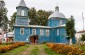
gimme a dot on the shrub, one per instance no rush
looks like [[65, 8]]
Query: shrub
[[11, 46], [65, 49]]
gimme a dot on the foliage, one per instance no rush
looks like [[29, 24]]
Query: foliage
[[12, 46], [50, 51], [15, 51], [12, 22], [70, 30], [3, 17], [65, 49], [83, 37], [39, 17], [6, 43], [32, 15]]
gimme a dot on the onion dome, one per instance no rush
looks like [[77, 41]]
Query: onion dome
[[56, 14]]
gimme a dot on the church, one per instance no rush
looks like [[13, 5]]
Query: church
[[53, 32]]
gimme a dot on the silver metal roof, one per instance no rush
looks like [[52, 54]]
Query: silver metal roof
[[57, 14], [22, 3], [34, 26]]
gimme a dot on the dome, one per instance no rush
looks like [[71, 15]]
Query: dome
[[57, 14]]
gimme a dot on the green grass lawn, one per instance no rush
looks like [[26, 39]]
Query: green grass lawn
[[49, 51], [15, 51]]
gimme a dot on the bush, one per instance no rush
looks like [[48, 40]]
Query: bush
[[11, 46], [65, 49], [7, 43]]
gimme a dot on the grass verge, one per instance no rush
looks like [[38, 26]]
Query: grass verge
[[15, 51], [34, 51]]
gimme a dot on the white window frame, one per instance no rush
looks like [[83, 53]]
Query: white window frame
[[58, 32], [61, 22], [41, 32], [47, 33], [22, 29], [22, 13], [33, 31]]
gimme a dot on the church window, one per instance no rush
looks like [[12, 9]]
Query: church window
[[22, 31], [60, 22], [47, 32], [22, 12], [18, 12], [57, 32], [41, 32], [34, 31]]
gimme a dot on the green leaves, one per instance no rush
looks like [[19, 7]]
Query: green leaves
[[39, 17], [83, 37], [70, 30], [3, 17]]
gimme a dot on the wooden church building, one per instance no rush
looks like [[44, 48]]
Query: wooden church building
[[54, 32]]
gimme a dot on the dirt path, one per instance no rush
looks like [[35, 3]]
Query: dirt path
[[31, 47], [28, 50], [41, 50]]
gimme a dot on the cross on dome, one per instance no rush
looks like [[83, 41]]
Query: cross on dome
[[57, 8]]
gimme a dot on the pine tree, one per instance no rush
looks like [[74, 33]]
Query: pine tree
[[70, 29]]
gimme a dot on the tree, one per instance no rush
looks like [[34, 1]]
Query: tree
[[42, 17], [32, 16], [83, 37], [70, 30], [3, 16], [39, 17], [12, 22]]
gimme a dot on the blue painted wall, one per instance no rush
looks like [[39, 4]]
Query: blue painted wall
[[63, 38], [41, 38], [18, 37], [55, 22]]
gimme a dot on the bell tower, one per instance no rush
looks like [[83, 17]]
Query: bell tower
[[22, 14]]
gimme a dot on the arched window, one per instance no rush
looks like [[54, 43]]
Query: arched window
[[57, 32], [22, 12], [34, 32], [41, 32], [22, 31], [47, 32], [60, 22]]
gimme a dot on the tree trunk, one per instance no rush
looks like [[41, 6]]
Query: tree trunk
[[70, 41]]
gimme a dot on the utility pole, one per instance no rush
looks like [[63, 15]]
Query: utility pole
[[83, 20]]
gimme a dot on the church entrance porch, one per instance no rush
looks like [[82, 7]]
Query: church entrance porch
[[34, 39]]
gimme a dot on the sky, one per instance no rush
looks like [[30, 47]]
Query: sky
[[67, 7]]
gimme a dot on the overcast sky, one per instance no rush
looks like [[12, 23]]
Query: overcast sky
[[67, 7]]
